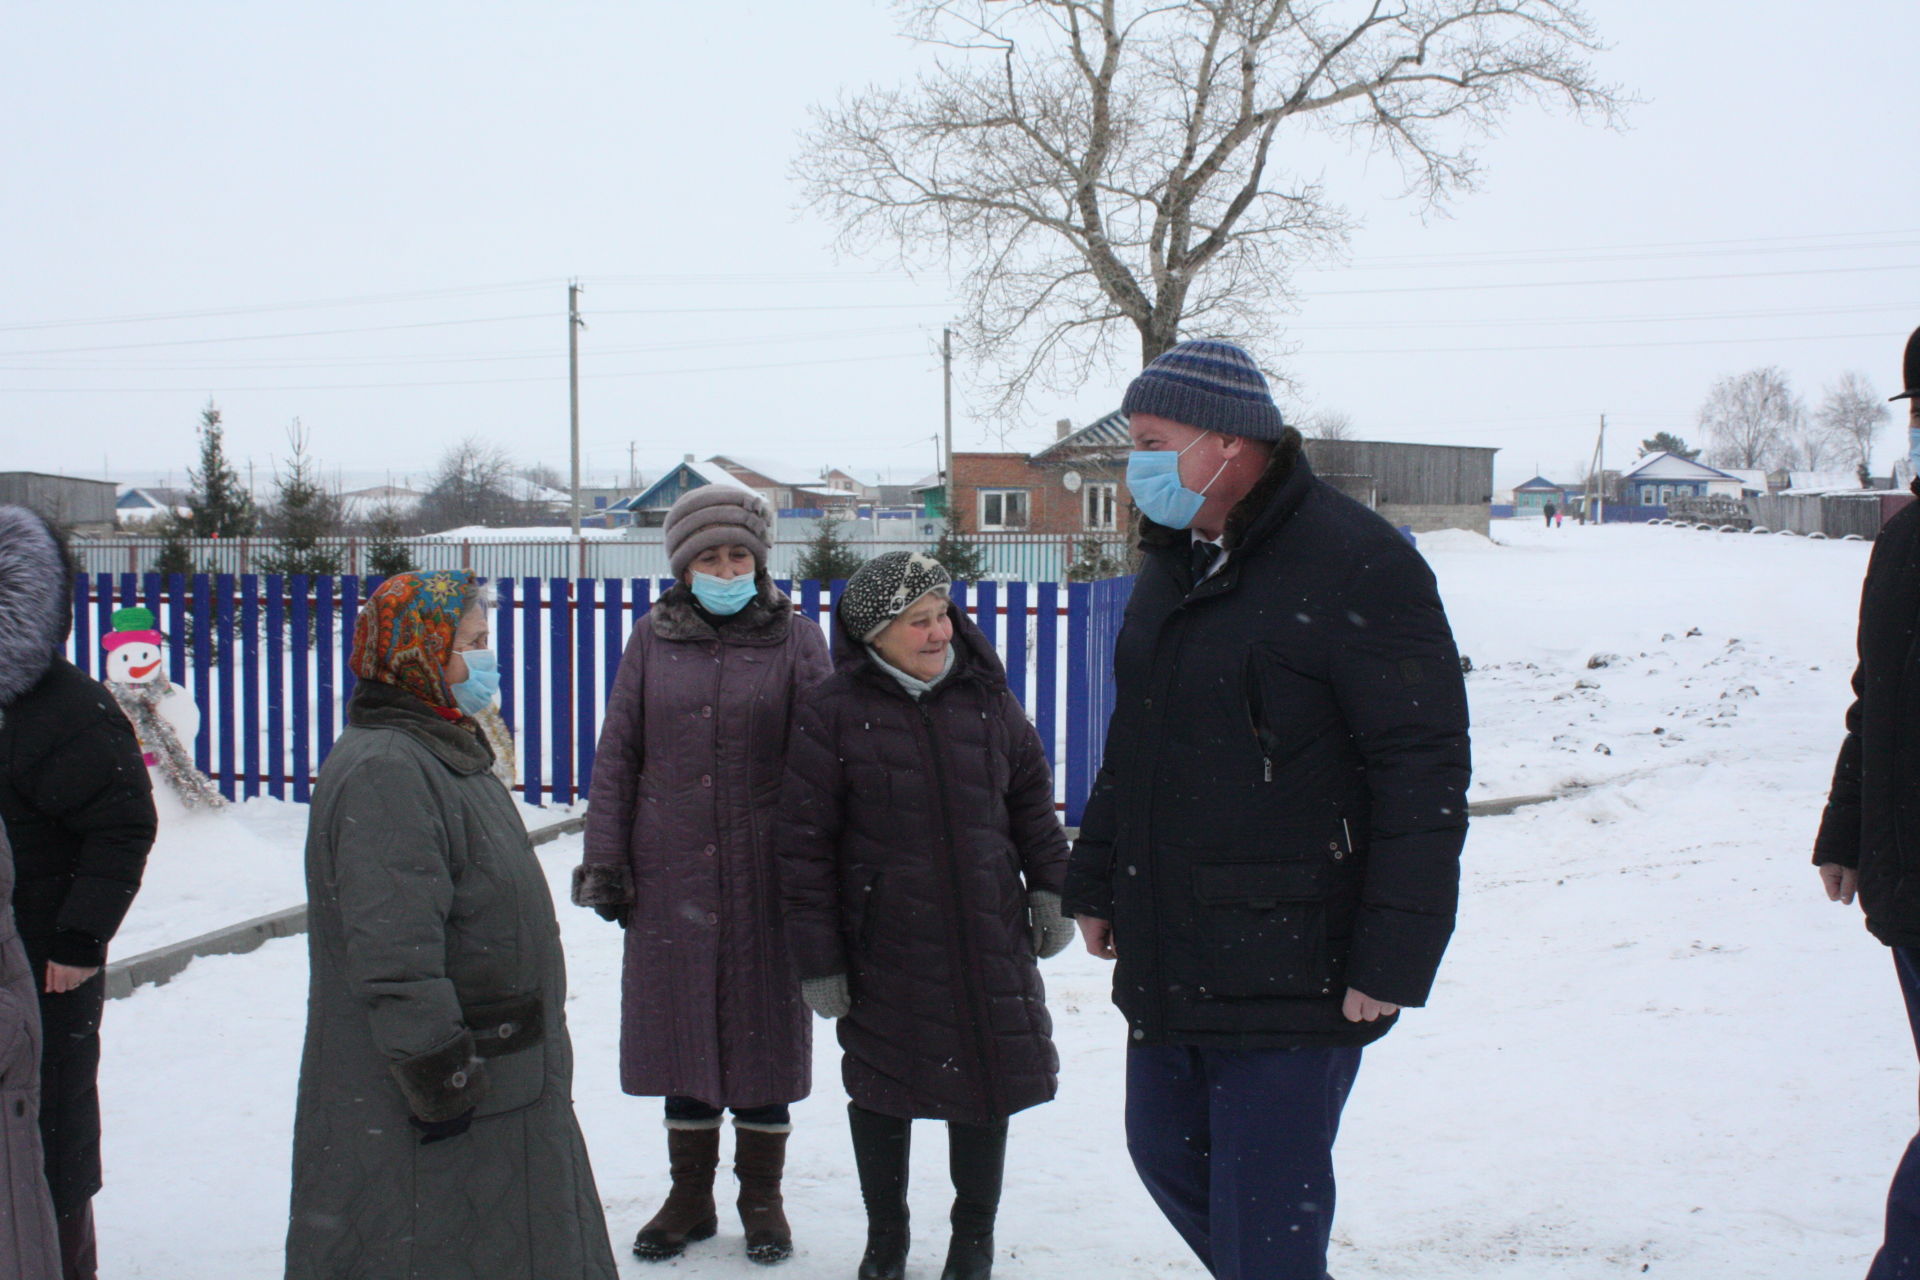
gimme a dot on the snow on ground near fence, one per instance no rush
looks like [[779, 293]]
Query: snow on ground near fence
[[1654, 1049]]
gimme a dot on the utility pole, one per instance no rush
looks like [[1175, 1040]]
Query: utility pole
[[633, 474], [1596, 477], [948, 489], [574, 325]]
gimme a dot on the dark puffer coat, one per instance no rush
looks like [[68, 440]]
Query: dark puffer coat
[[907, 831], [1872, 820], [1282, 804], [686, 791]]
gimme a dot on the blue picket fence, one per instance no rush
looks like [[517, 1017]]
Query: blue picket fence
[[265, 658]]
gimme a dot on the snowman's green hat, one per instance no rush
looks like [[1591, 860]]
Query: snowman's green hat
[[132, 625]]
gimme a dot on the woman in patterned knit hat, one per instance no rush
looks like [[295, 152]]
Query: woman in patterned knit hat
[[435, 1132], [921, 863], [679, 851]]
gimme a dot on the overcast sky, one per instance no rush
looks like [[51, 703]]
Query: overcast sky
[[435, 174]]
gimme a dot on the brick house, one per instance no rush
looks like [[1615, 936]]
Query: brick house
[[1075, 486]]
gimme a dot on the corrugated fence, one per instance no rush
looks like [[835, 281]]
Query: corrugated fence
[[265, 659]]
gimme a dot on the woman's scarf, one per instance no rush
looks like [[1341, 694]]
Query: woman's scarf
[[404, 635]]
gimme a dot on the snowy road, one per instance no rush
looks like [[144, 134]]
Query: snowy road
[[1654, 1048]]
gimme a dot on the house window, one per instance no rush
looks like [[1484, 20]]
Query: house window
[[1102, 506], [1003, 509]]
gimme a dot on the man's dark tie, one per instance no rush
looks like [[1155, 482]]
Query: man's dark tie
[[1204, 554]]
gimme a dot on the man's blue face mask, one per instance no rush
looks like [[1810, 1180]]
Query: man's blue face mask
[[476, 692], [724, 597], [1153, 477], [1913, 447]]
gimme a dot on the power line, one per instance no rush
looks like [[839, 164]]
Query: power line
[[363, 300]]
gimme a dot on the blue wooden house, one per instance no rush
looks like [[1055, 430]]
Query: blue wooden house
[[1533, 496]]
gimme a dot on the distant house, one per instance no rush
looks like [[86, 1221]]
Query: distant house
[[358, 506], [1811, 482], [648, 508], [138, 507], [68, 501], [787, 488], [1661, 478], [1537, 494]]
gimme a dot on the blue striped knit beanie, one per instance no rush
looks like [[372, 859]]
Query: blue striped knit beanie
[[1214, 386]]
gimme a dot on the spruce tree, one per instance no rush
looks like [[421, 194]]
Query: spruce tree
[[1091, 562], [828, 557], [176, 556], [303, 513], [220, 506], [965, 561], [386, 553]]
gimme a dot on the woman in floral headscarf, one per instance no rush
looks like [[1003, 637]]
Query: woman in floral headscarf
[[435, 1133]]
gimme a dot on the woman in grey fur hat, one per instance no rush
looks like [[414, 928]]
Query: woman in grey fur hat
[[679, 851]]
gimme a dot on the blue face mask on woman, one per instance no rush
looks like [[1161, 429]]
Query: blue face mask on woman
[[482, 683], [724, 597], [1153, 477]]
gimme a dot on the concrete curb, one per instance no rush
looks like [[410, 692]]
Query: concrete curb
[[159, 966], [156, 968]]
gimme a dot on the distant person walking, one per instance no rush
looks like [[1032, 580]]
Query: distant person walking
[[1271, 850], [680, 851], [434, 1134], [1550, 511], [78, 809], [921, 862], [1869, 841]]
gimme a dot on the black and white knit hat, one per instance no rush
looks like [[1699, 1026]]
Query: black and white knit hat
[[1214, 386], [886, 587]]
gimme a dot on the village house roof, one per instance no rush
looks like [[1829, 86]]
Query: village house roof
[[1671, 466], [1102, 435], [1540, 484]]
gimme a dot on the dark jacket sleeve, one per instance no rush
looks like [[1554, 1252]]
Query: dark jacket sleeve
[[93, 783], [809, 844], [1037, 832], [617, 760], [1839, 838], [1396, 674], [1089, 887]]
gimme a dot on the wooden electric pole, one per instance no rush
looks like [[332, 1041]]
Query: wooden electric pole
[[1597, 477], [946, 481], [574, 325]]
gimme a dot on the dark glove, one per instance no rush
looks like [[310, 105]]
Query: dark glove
[[830, 997], [616, 912], [432, 1131], [1052, 931]]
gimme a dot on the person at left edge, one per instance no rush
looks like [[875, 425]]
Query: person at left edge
[[434, 1135], [78, 807]]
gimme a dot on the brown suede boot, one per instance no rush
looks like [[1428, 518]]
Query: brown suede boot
[[759, 1158], [688, 1213]]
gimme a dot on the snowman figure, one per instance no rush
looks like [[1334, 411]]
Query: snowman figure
[[164, 715]]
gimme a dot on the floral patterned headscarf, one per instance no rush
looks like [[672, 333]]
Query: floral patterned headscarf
[[404, 634]]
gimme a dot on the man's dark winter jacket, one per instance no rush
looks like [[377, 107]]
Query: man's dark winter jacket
[[911, 834], [1282, 805], [1872, 821], [74, 791]]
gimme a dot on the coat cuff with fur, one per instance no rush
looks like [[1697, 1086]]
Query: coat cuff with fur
[[443, 1082], [602, 884]]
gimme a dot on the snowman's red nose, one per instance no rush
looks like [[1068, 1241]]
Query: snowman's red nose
[[141, 673]]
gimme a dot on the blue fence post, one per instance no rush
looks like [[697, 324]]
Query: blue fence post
[[1079, 700], [80, 634], [229, 673], [810, 598], [150, 588], [103, 612], [276, 686], [250, 684], [349, 623], [584, 669], [560, 687], [178, 629], [530, 735], [613, 604], [324, 657], [987, 610], [1017, 643], [302, 697], [642, 598], [503, 641], [203, 671], [1046, 675], [838, 587], [958, 593]]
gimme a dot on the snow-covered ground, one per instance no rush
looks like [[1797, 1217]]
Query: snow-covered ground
[[1655, 1048]]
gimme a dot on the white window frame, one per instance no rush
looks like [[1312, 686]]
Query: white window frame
[[1100, 494], [1003, 525]]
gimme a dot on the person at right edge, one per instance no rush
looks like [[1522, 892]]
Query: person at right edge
[[1271, 850], [1869, 841]]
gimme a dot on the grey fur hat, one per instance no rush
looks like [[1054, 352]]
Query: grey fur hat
[[718, 515], [36, 600], [886, 587]]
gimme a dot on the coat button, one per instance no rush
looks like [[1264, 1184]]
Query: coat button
[[713, 917], [1139, 1034], [1338, 853], [710, 850], [506, 1031], [707, 712], [458, 1080], [706, 779], [1333, 845]]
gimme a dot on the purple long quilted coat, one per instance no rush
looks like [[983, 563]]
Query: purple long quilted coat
[[686, 785]]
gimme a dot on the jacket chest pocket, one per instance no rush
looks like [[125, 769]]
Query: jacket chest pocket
[[1262, 929], [1288, 710]]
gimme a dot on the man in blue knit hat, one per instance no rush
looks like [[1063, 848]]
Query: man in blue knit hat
[[1271, 851]]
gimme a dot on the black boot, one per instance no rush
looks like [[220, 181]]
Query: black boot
[[880, 1150], [976, 1156]]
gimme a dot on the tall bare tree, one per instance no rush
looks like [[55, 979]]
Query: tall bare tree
[[1852, 413], [1099, 166], [471, 485], [1327, 424], [1753, 419]]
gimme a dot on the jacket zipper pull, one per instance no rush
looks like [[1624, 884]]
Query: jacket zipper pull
[[1267, 763]]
